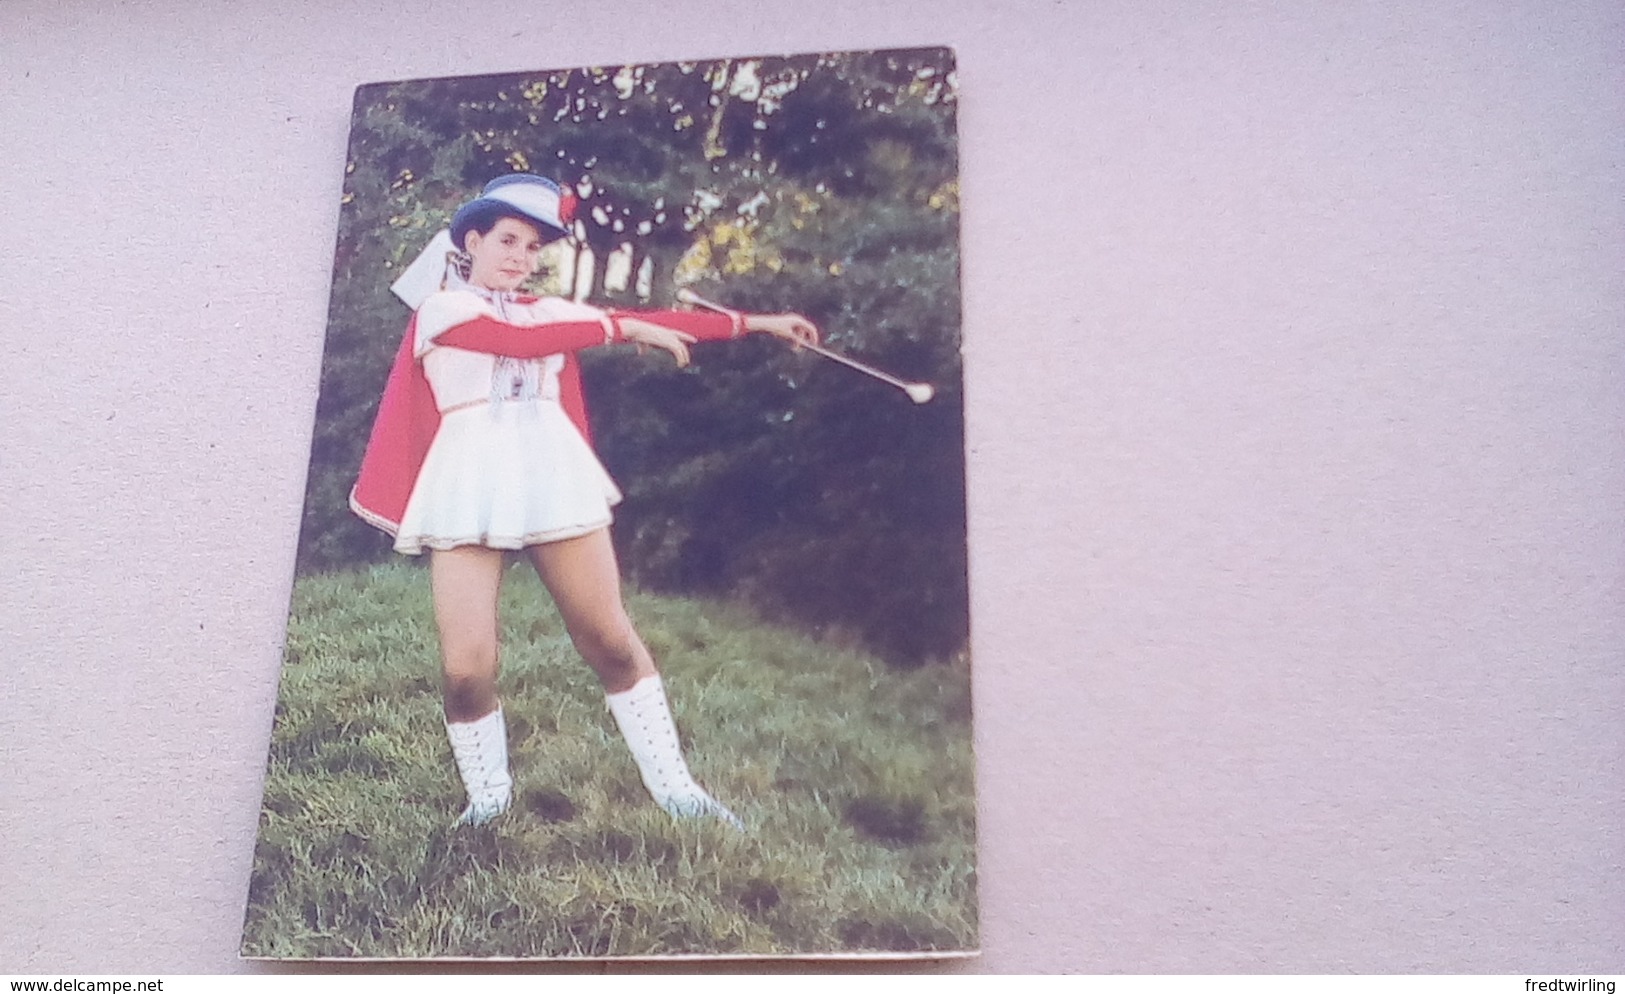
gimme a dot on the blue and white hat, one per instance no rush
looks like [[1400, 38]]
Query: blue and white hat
[[524, 195]]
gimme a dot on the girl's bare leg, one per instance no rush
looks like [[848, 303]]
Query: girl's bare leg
[[466, 581], [585, 581]]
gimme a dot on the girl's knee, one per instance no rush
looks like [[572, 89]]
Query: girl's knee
[[466, 654], [609, 648], [468, 663]]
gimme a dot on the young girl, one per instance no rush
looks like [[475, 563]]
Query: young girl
[[481, 445]]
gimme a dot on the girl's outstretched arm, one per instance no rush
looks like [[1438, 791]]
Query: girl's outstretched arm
[[700, 326], [709, 326], [528, 331], [496, 337], [461, 322]]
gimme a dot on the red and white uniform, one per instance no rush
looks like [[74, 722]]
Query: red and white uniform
[[481, 436]]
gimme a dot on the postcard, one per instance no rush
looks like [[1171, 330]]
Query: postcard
[[630, 616]]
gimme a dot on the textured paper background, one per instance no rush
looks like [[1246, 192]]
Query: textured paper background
[[1295, 398]]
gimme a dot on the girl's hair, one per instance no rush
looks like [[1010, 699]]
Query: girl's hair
[[462, 262]]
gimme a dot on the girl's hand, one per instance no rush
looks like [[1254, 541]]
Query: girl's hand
[[793, 328], [646, 334]]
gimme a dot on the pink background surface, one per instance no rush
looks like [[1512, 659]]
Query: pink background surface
[[1294, 344]]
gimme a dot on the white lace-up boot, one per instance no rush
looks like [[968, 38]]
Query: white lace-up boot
[[645, 722], [481, 750]]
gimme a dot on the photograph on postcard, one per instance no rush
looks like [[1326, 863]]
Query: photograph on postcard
[[630, 614]]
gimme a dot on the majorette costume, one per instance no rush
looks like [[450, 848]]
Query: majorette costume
[[482, 435], [482, 438]]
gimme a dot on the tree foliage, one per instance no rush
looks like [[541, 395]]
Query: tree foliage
[[821, 184]]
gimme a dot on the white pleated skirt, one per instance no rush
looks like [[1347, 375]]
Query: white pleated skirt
[[506, 475]]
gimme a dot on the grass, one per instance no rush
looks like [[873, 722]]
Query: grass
[[855, 780]]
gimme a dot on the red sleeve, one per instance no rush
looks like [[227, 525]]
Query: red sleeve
[[495, 337], [703, 325]]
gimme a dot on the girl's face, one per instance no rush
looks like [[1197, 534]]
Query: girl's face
[[505, 256]]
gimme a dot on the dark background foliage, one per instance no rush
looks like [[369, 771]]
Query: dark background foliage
[[822, 184]]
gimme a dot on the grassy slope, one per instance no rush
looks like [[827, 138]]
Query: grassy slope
[[856, 782]]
